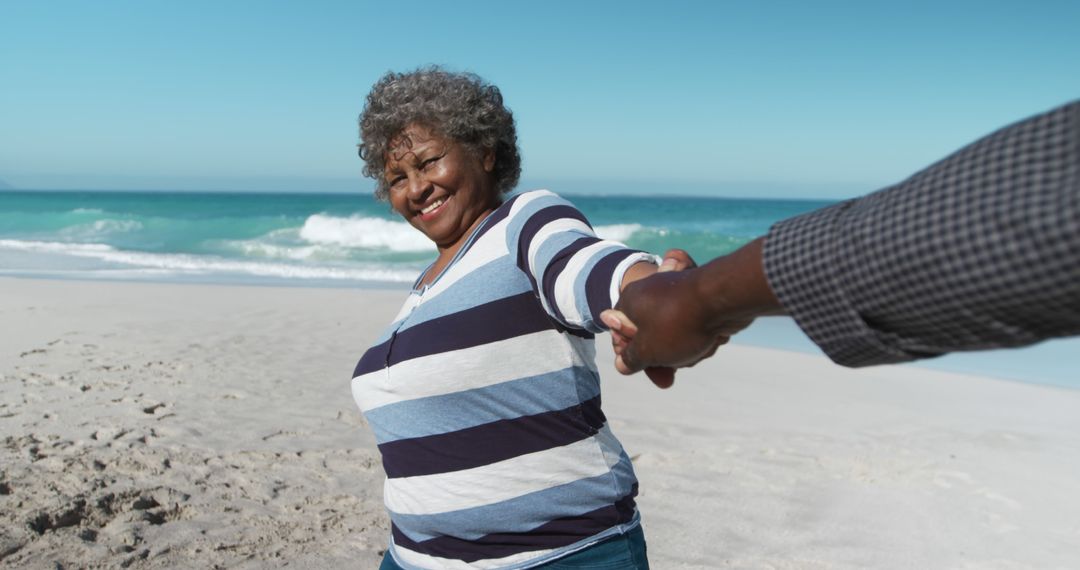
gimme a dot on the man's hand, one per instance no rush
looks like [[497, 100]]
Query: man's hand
[[674, 260], [656, 321], [676, 319]]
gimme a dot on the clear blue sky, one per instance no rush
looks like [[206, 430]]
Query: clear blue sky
[[802, 99]]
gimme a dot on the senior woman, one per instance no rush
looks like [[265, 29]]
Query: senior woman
[[483, 392]]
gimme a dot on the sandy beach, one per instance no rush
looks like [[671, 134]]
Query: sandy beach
[[157, 425]]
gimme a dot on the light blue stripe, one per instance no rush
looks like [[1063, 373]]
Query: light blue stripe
[[524, 513], [581, 298], [460, 410], [492, 281], [465, 247], [551, 247]]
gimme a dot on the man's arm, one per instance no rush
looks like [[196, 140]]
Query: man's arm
[[980, 250]]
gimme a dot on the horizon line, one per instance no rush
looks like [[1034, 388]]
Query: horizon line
[[749, 189]]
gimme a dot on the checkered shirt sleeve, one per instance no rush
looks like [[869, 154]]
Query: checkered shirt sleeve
[[980, 250]]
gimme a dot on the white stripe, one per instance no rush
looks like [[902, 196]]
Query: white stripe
[[520, 202], [410, 303], [620, 271], [555, 226], [419, 560], [526, 197], [565, 295], [473, 367], [586, 350], [479, 486]]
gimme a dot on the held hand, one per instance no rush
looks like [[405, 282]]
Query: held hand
[[679, 318], [658, 322], [661, 376]]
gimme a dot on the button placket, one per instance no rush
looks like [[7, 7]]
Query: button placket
[[401, 323]]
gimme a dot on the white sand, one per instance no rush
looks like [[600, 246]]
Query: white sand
[[155, 425]]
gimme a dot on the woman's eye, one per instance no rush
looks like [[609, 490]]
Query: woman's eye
[[429, 162], [395, 182]]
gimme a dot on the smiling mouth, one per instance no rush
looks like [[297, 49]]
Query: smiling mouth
[[433, 206]]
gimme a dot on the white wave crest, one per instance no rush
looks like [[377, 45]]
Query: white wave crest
[[112, 226], [379, 233], [256, 248], [364, 232], [55, 247], [91, 231], [617, 232]]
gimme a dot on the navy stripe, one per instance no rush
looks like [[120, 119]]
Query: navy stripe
[[497, 216], [491, 442], [555, 534], [575, 332], [581, 333], [374, 359], [598, 285], [494, 280], [555, 268], [537, 221], [505, 318], [525, 237]]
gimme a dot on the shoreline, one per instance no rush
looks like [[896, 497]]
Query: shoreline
[[1042, 364], [153, 424], [213, 281]]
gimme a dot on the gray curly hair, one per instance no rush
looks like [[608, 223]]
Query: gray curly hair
[[461, 106]]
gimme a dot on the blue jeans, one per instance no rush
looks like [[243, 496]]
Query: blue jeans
[[620, 552]]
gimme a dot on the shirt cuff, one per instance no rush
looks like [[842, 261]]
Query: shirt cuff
[[624, 266], [801, 258]]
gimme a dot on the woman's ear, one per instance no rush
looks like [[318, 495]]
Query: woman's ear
[[489, 160]]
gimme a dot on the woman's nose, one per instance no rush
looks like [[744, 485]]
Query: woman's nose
[[418, 186]]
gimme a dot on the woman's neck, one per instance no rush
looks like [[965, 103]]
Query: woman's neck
[[447, 253]]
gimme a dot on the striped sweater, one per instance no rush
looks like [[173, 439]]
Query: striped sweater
[[484, 397]]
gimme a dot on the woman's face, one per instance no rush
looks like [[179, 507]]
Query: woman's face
[[438, 185]]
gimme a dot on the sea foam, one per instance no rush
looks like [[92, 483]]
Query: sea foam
[[617, 232], [364, 232], [379, 233], [180, 264], [99, 229]]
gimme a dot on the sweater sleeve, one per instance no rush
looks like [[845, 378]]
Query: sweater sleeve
[[574, 273], [980, 250]]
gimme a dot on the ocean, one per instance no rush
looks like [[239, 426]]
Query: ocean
[[310, 239], [353, 240]]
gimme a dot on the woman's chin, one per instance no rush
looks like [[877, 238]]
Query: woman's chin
[[441, 237]]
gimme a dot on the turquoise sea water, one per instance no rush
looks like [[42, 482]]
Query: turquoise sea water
[[351, 240], [309, 239]]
